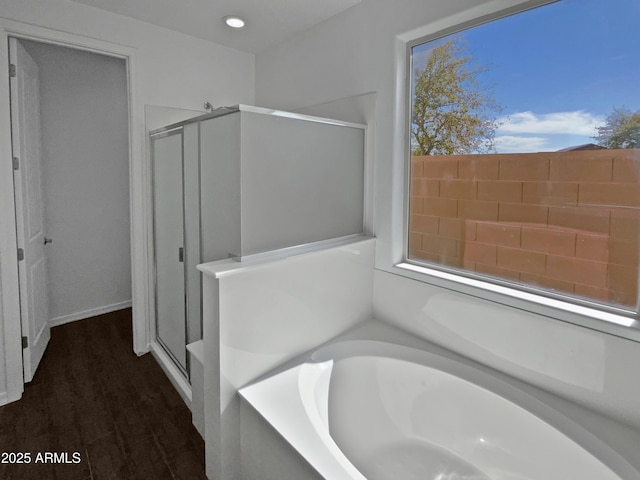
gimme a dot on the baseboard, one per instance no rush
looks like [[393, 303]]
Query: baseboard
[[94, 312], [175, 376]]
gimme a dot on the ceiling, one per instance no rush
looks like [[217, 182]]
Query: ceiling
[[269, 22]]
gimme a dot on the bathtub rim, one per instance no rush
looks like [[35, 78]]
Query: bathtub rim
[[364, 339], [566, 426]]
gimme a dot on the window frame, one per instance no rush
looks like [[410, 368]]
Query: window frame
[[611, 319]]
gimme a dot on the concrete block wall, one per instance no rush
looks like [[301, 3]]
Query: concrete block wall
[[567, 221]]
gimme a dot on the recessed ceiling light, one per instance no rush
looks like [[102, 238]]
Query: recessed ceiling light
[[234, 22]]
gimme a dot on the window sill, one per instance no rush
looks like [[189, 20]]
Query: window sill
[[584, 316]]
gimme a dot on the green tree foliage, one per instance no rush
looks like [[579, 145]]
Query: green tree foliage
[[621, 129], [453, 113]]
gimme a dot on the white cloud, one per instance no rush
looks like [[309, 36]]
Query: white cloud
[[514, 143], [567, 123]]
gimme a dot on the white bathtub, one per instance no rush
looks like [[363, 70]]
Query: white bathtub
[[363, 409]]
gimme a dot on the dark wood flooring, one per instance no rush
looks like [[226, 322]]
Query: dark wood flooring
[[93, 395]]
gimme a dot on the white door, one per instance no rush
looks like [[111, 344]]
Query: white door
[[25, 139]]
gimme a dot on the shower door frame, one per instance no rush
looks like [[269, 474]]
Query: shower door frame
[[184, 370]]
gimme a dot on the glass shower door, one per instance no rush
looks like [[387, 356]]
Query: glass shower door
[[168, 208]]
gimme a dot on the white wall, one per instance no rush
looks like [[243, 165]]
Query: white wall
[[301, 181], [175, 69], [363, 50], [172, 69], [587, 367], [85, 158], [258, 316], [156, 116]]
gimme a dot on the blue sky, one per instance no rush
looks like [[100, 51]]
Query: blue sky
[[558, 70]]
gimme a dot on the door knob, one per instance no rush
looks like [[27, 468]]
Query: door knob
[[48, 240]]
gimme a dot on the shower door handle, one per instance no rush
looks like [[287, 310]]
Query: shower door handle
[[181, 254]]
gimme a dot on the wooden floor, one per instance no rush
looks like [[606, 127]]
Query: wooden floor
[[92, 395]]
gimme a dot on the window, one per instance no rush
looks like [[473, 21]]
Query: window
[[525, 152]]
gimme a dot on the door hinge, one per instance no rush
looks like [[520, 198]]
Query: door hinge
[[12, 70], [25, 342], [20, 254], [16, 163], [181, 254]]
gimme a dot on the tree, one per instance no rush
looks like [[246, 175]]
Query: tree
[[453, 112], [621, 129]]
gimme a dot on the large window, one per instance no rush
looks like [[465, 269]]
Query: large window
[[525, 152]]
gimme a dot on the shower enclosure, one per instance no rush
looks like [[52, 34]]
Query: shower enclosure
[[244, 182]]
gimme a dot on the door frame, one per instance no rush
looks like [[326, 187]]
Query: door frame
[[139, 204]]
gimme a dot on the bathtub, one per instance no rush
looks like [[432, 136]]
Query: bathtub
[[369, 409]]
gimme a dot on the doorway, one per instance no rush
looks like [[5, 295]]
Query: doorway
[[75, 105]]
